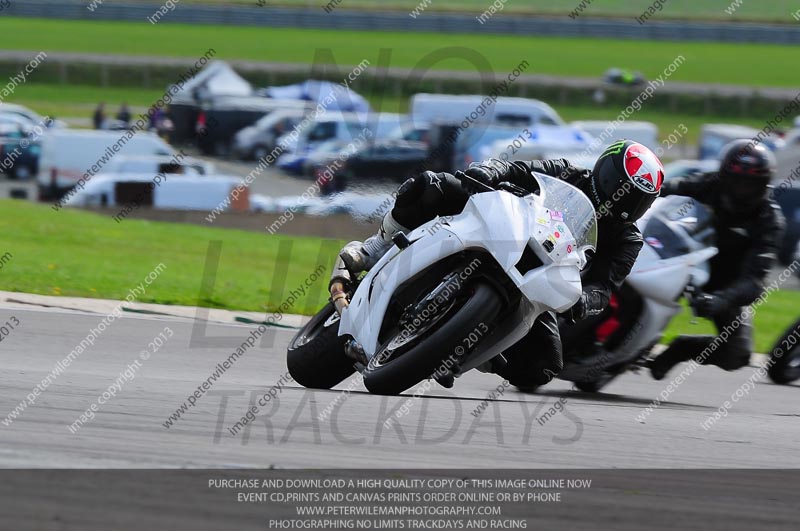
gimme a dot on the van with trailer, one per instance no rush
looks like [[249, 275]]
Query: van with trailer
[[144, 190], [69, 155]]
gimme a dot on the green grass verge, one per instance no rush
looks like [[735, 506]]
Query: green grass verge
[[773, 10], [771, 320], [75, 253], [71, 101], [80, 254], [767, 65]]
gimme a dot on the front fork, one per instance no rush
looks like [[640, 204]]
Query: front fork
[[340, 283]]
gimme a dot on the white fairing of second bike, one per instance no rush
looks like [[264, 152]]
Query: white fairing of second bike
[[499, 223], [660, 282]]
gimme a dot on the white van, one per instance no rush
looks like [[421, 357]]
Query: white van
[[182, 192], [448, 108], [68, 155]]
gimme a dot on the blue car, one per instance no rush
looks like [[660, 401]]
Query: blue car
[[19, 154]]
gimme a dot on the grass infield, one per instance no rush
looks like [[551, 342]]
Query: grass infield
[[80, 254]]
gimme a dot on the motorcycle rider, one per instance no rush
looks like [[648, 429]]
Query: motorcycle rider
[[623, 184], [748, 224]]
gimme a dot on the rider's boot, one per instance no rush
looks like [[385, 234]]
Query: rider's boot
[[682, 349], [360, 257]]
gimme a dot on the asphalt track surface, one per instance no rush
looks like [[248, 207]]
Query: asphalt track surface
[[438, 431]]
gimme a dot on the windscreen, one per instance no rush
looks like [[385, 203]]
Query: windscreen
[[567, 202], [676, 224]]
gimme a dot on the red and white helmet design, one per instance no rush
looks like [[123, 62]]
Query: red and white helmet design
[[643, 168]]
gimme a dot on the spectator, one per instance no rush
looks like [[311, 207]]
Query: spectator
[[156, 115], [124, 115], [99, 117]]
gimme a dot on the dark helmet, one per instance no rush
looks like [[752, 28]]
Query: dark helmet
[[626, 179], [745, 171]]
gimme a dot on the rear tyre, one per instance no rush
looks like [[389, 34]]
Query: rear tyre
[[394, 375], [315, 356]]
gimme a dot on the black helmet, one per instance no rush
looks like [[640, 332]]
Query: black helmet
[[626, 179], [745, 171]]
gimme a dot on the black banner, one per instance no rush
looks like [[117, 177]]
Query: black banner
[[240, 500]]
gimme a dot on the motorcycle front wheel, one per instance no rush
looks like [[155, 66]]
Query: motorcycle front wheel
[[391, 373], [315, 356]]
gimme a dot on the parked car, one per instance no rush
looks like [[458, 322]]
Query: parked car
[[19, 151], [258, 140], [31, 117], [345, 127], [394, 160], [324, 155], [414, 148], [389, 160], [68, 155]]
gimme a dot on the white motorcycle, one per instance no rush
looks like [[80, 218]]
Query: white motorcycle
[[454, 293], [673, 262]]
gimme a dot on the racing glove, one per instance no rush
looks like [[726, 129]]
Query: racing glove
[[589, 304], [570, 173], [485, 173]]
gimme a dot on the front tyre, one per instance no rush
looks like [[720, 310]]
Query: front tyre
[[387, 375], [315, 356]]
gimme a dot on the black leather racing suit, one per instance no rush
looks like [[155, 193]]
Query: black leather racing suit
[[748, 247], [536, 359]]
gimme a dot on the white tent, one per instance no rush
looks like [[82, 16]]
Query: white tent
[[216, 79]]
